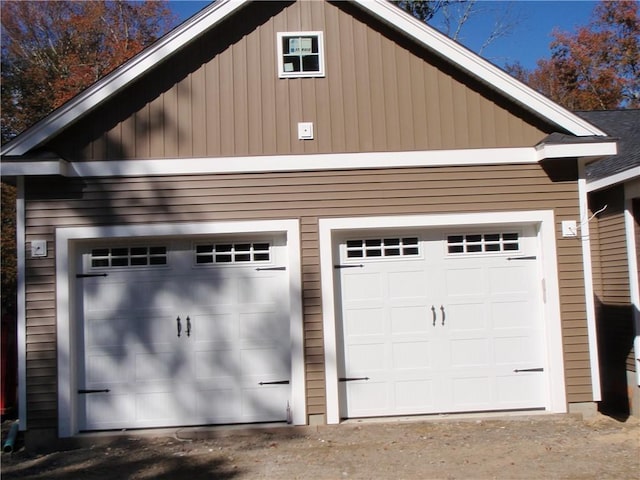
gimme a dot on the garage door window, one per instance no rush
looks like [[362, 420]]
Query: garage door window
[[482, 243], [233, 253], [138, 256], [383, 247]]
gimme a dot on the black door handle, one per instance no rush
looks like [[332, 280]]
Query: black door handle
[[188, 327], [179, 326], [433, 313], [443, 314]]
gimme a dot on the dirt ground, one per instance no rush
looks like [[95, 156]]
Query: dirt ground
[[519, 447]]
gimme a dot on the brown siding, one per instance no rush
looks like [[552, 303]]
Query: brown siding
[[222, 97], [306, 196]]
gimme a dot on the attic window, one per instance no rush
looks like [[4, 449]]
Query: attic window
[[300, 54]]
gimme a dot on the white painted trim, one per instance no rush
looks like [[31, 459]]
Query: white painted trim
[[121, 77], [293, 163], [280, 54], [219, 10], [631, 191], [478, 67], [66, 239], [21, 304], [562, 150], [612, 180], [589, 293], [545, 219]]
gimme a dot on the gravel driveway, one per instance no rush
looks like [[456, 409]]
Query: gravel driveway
[[527, 447]]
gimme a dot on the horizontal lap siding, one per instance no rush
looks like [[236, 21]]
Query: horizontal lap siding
[[612, 287], [306, 196]]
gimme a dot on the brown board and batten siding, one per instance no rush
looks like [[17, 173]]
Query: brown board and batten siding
[[221, 97], [306, 196]]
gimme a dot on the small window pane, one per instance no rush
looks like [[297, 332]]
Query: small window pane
[[261, 257], [100, 252], [510, 236], [456, 249], [97, 263], [354, 243], [355, 254], [139, 251], [204, 248], [223, 258], [119, 262], [203, 259], [493, 237], [474, 248], [455, 238], [373, 243], [473, 238], [120, 252], [511, 246], [158, 260], [224, 248], [158, 250], [391, 241], [138, 261], [492, 247], [374, 253], [243, 247]]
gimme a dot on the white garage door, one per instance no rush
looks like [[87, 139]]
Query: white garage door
[[440, 322], [184, 333]]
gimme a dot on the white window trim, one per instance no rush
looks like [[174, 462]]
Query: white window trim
[[67, 240], [544, 219], [321, 63]]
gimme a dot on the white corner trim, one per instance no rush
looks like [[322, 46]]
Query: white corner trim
[[313, 162], [65, 278], [122, 76], [589, 293], [21, 304], [328, 227], [611, 180], [478, 67]]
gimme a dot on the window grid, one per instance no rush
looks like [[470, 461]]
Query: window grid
[[300, 54], [138, 256], [482, 243], [383, 247], [231, 253]]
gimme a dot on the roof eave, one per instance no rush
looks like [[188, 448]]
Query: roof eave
[[122, 76]]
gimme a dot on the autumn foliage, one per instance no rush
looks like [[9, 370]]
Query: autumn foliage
[[595, 68], [51, 50]]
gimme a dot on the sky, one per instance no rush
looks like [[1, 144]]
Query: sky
[[528, 42]]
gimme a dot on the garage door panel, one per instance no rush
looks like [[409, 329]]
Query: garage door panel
[[464, 317], [470, 352], [367, 286], [364, 322], [234, 333], [518, 390], [412, 355], [410, 319], [439, 326]]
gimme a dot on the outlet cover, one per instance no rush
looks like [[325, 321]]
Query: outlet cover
[[569, 228], [305, 131]]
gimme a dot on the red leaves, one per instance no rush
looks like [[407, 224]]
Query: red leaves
[[598, 66], [53, 50]]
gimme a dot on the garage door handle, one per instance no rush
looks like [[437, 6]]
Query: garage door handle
[[444, 316], [539, 369], [433, 313], [188, 327], [84, 392], [277, 382], [262, 269], [179, 326], [352, 379], [349, 266]]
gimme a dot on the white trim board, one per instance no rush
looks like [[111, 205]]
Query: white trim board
[[611, 180], [547, 241], [212, 15], [315, 162], [66, 241]]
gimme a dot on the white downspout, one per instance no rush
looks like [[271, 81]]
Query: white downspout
[[588, 283], [21, 305]]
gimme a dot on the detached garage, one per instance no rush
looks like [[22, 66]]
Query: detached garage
[[249, 222]]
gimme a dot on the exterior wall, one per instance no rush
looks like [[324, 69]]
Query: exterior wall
[[307, 196], [223, 97], [611, 285]]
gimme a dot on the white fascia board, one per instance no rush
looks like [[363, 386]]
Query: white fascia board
[[318, 162], [46, 167], [622, 177], [479, 67], [121, 77], [584, 150]]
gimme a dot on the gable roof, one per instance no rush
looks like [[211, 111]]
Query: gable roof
[[624, 125], [218, 11]]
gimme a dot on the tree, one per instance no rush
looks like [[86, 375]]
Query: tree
[[451, 16], [51, 50], [595, 68]]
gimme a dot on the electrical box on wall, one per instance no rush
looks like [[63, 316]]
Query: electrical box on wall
[[38, 248], [305, 131], [569, 228]]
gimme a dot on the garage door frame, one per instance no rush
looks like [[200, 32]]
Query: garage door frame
[[543, 219], [67, 240]]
